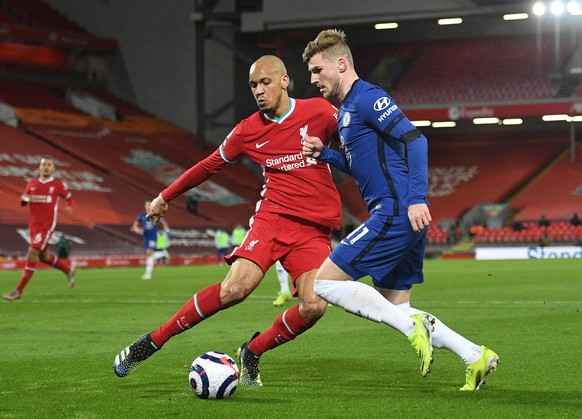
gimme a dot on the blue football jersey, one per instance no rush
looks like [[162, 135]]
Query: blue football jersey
[[384, 152]]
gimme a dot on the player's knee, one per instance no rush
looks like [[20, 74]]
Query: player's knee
[[312, 311], [233, 293]]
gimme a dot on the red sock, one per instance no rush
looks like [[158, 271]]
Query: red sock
[[286, 327], [26, 275], [204, 304], [57, 263]]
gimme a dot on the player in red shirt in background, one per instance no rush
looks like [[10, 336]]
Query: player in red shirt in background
[[42, 195], [298, 206]]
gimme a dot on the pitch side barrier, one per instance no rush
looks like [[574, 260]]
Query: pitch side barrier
[[119, 261], [546, 252]]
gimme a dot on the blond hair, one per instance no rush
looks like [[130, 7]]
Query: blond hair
[[331, 43]]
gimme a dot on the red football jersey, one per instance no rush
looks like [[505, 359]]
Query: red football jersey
[[294, 185], [43, 199]]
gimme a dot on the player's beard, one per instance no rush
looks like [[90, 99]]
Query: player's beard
[[263, 104], [267, 111]]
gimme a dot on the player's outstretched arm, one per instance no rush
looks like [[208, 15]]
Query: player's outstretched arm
[[314, 147], [157, 209], [136, 228]]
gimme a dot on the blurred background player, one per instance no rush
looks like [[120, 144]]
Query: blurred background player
[[161, 254], [63, 247], [42, 195], [284, 293], [238, 235], [222, 243], [149, 230]]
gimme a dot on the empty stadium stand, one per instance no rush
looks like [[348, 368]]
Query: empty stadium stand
[[24, 94], [556, 192], [33, 21], [36, 14], [479, 70], [558, 233]]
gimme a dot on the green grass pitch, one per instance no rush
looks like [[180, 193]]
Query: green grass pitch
[[57, 347]]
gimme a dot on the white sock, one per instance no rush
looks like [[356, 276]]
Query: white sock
[[364, 301], [445, 337], [149, 265], [283, 278]]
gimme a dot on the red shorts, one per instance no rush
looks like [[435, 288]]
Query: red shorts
[[299, 244], [39, 238]]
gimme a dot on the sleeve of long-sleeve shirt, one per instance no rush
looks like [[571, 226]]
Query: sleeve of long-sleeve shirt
[[66, 195], [25, 197], [335, 158], [417, 152], [194, 176]]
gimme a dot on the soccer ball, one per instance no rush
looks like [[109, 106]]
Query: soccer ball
[[214, 375]]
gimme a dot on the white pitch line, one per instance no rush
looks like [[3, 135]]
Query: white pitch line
[[262, 298]]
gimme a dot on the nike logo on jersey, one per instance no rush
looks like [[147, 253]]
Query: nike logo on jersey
[[259, 145]]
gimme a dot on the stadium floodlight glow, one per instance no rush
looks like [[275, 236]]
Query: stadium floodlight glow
[[539, 8], [551, 118], [485, 121], [421, 123], [450, 21], [444, 124], [387, 25], [577, 118], [557, 7], [515, 16], [574, 8], [512, 121]]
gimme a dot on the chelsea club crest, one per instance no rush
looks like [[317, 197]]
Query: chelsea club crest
[[346, 119]]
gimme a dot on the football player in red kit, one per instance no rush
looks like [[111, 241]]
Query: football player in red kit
[[42, 195], [298, 206]]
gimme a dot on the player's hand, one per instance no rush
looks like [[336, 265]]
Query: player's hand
[[69, 210], [157, 209], [312, 146], [24, 200], [419, 216]]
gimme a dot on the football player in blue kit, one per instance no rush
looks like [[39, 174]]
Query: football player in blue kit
[[388, 159], [149, 230]]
